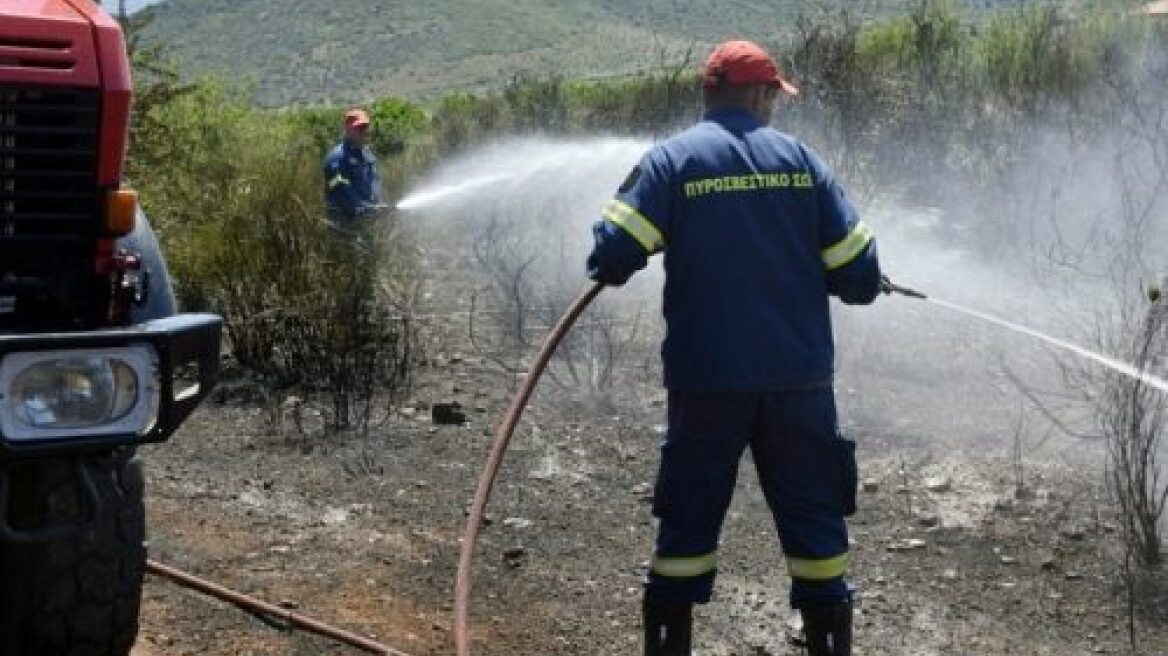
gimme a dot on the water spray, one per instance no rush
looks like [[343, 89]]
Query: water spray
[[888, 287], [440, 193], [1111, 363]]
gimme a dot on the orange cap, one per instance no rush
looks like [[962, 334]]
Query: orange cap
[[356, 118], [744, 62]]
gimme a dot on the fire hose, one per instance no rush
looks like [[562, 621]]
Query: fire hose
[[462, 584], [269, 611]]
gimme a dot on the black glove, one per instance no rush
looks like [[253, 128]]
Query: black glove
[[606, 275], [885, 284]]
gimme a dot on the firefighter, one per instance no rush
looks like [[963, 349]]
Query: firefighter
[[756, 233], [353, 188]]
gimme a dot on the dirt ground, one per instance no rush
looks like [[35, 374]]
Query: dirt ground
[[364, 533]]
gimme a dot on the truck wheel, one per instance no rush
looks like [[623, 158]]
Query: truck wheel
[[78, 596]]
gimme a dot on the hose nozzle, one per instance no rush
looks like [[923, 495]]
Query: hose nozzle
[[889, 287]]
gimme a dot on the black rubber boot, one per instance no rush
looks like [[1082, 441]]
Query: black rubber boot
[[828, 629], [668, 627]]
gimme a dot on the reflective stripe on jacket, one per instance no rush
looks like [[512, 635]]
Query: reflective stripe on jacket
[[351, 180]]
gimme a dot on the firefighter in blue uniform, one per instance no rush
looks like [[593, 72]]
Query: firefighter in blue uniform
[[756, 234], [353, 188]]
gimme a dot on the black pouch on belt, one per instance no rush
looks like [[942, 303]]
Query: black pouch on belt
[[847, 474]]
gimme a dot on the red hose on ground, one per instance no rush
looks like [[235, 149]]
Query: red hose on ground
[[254, 605], [462, 584]]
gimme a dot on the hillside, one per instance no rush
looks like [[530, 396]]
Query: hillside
[[346, 50]]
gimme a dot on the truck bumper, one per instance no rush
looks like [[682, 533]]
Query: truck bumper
[[187, 367]]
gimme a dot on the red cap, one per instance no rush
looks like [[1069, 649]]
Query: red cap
[[356, 118], [744, 62]]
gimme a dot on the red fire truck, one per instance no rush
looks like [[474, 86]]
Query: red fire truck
[[94, 361]]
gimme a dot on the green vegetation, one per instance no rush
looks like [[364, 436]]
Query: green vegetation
[[352, 50], [204, 157]]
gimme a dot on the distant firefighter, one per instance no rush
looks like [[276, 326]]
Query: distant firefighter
[[756, 233], [352, 184]]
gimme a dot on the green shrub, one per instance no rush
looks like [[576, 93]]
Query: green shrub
[[395, 122], [463, 119], [536, 104], [643, 104], [1036, 56], [321, 126]]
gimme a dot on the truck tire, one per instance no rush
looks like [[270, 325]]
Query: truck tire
[[78, 596]]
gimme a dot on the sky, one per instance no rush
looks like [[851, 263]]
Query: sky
[[131, 5]]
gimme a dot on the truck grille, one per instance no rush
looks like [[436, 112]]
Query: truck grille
[[23, 52], [48, 178]]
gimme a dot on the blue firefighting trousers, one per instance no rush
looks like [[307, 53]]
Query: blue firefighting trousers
[[806, 470]]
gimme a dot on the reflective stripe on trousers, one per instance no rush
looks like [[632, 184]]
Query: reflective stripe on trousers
[[794, 443]]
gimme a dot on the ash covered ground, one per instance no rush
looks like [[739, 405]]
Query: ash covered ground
[[950, 557], [365, 533]]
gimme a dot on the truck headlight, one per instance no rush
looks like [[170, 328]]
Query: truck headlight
[[82, 392]]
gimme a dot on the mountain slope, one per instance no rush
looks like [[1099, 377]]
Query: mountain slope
[[346, 50]]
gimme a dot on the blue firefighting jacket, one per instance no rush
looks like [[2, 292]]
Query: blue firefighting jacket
[[756, 233], [351, 180]]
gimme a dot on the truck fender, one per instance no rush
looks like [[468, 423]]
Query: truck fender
[[160, 301]]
